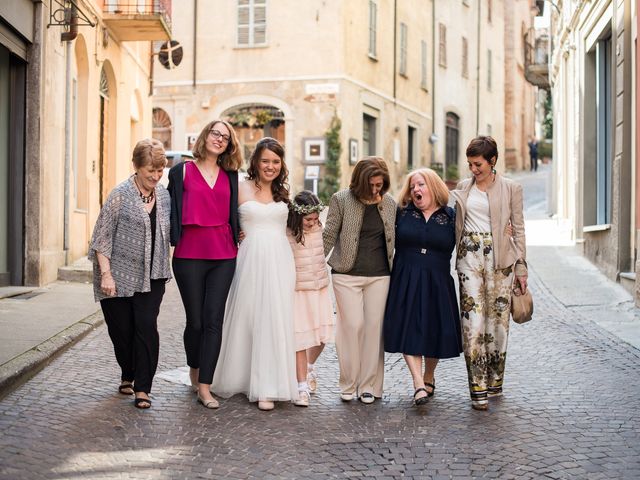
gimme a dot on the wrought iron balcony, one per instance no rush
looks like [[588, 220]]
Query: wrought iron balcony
[[138, 20], [536, 58]]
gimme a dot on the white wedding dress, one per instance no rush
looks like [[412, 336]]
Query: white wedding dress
[[257, 356]]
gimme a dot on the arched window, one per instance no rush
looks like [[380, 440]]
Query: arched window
[[162, 127], [104, 84]]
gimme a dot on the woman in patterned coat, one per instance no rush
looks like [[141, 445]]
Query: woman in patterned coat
[[491, 249], [130, 253]]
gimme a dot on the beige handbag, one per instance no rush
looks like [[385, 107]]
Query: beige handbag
[[521, 304]]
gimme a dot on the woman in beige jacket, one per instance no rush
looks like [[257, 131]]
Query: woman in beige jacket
[[491, 248], [360, 230]]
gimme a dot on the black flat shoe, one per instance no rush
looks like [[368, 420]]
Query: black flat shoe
[[142, 403], [421, 400]]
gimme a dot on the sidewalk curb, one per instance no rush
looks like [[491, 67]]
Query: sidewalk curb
[[21, 368]]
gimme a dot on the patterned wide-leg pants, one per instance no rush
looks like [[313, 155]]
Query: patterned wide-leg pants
[[485, 296]]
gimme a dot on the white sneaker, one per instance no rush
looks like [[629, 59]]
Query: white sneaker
[[346, 397], [312, 380], [303, 399]]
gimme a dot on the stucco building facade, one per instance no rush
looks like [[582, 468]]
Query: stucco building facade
[[592, 73], [80, 102]]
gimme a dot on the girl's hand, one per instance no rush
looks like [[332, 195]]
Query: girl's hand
[[107, 284], [241, 236]]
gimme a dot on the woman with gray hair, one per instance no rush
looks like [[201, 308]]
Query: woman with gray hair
[[130, 253]]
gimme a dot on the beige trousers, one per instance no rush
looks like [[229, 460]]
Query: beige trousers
[[360, 303]]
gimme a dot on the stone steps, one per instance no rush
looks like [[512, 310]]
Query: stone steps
[[80, 271]]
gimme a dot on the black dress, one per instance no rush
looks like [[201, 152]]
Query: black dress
[[421, 317]]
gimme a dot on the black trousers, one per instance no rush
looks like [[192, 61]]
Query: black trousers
[[204, 286], [534, 162], [133, 327]]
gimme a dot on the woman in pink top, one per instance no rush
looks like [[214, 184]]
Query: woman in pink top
[[204, 230]]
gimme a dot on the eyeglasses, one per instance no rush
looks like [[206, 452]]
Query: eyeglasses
[[219, 135]]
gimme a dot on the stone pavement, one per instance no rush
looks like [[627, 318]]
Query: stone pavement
[[569, 411], [37, 323]]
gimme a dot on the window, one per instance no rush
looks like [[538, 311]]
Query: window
[[162, 127], [403, 49], [603, 131], [489, 72], [412, 138], [452, 133], [465, 57], [423, 64], [368, 135], [443, 45], [373, 25], [252, 23]]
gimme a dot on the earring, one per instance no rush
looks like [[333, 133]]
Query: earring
[[493, 168]]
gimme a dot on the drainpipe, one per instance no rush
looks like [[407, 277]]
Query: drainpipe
[[433, 83], [478, 72], [71, 15], [395, 45], [195, 42]]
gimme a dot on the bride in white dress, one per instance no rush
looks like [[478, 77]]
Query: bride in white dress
[[257, 357]]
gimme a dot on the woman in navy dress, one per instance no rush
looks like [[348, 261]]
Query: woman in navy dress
[[421, 317]]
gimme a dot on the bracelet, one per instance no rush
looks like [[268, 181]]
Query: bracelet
[[102, 274]]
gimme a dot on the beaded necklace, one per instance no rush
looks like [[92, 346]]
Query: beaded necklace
[[143, 197]]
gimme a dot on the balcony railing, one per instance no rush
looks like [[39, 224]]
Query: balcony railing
[[138, 20], [536, 58]]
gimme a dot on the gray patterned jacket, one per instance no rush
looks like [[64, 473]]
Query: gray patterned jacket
[[344, 222], [123, 234]]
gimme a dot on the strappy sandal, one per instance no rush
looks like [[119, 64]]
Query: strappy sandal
[[433, 389], [126, 388], [421, 400], [142, 403]]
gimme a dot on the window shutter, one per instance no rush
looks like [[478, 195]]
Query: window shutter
[[443, 45], [403, 49], [423, 64], [252, 22], [243, 22], [373, 13], [465, 58], [260, 23]]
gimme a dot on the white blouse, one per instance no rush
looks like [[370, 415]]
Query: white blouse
[[478, 218]]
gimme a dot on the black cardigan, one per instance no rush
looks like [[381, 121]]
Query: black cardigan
[[176, 184]]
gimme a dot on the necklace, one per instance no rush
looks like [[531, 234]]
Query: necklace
[[143, 197]]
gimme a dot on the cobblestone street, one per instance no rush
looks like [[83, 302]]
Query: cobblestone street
[[569, 411]]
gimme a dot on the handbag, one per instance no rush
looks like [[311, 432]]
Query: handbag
[[521, 304]]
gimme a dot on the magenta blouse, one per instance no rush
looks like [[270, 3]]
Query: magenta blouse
[[206, 233]]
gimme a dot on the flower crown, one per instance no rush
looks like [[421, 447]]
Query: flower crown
[[306, 209]]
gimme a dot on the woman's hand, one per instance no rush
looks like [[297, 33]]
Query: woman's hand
[[107, 284], [509, 230], [241, 236], [521, 282]]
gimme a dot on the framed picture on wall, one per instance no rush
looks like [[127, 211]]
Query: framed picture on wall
[[353, 151], [191, 140], [314, 149]]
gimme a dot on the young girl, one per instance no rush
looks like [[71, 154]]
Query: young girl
[[313, 313]]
